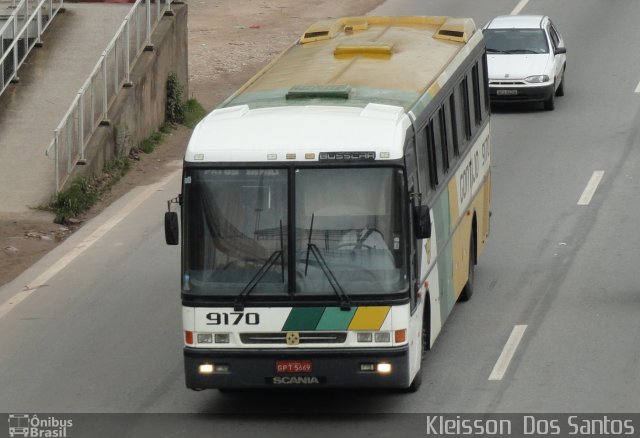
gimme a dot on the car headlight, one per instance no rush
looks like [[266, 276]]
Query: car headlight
[[537, 79]]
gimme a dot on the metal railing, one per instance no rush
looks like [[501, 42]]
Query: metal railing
[[91, 104], [21, 32]]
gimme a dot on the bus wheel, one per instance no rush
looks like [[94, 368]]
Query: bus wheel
[[467, 290], [417, 380]]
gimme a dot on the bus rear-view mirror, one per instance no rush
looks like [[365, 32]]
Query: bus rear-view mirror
[[422, 221], [171, 229]]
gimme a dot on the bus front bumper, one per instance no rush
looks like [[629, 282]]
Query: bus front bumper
[[301, 368]]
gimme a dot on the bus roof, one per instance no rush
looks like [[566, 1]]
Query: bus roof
[[355, 61], [346, 85]]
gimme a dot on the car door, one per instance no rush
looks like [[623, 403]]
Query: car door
[[561, 58]]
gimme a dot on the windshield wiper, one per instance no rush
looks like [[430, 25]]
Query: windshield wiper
[[238, 305], [345, 301], [494, 50], [522, 51]]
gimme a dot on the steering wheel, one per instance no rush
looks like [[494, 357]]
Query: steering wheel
[[358, 245], [362, 238]]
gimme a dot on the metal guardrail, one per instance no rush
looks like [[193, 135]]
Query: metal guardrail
[[89, 108], [21, 32]]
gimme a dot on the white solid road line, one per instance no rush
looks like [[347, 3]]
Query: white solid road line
[[509, 349], [520, 6], [638, 88], [592, 185], [64, 261]]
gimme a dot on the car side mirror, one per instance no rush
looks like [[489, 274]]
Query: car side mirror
[[560, 50], [171, 229], [422, 222]]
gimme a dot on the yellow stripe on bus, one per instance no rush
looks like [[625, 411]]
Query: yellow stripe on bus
[[369, 318]]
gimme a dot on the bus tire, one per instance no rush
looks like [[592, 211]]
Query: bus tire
[[467, 290], [417, 380]]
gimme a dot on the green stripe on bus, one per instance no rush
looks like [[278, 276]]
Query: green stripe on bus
[[442, 219], [303, 319], [336, 319]]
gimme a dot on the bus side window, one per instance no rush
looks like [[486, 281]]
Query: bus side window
[[477, 100], [452, 126], [444, 139], [422, 153], [462, 110], [411, 163], [485, 84], [471, 105], [435, 151]]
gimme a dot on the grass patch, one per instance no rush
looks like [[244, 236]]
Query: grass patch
[[85, 191], [194, 112], [150, 143]]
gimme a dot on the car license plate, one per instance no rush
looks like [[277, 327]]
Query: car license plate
[[507, 92], [293, 366]]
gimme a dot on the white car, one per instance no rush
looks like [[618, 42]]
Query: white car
[[527, 59]]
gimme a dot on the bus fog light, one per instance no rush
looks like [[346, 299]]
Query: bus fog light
[[222, 338], [365, 337], [206, 368], [384, 368], [221, 368], [205, 338], [383, 337], [367, 367]]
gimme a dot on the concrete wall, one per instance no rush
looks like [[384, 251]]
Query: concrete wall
[[139, 109]]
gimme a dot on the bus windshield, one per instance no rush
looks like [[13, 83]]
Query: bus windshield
[[350, 232]]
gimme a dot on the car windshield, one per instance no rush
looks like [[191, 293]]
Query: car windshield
[[349, 236], [510, 41]]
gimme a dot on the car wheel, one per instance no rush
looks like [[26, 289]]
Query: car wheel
[[560, 90], [550, 103]]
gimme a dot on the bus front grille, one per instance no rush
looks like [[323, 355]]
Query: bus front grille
[[304, 338]]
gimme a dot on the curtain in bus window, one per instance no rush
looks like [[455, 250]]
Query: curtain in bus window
[[238, 227]]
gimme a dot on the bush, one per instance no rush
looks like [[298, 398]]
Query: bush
[[78, 198], [175, 104], [85, 191], [194, 112]]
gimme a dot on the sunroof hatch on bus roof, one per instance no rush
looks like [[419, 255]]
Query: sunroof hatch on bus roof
[[319, 91]]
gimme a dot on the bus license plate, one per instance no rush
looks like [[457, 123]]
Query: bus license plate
[[507, 92], [294, 366]]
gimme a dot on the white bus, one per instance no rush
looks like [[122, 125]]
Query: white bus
[[334, 207]]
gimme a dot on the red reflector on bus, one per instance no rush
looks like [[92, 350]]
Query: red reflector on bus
[[400, 335], [188, 337]]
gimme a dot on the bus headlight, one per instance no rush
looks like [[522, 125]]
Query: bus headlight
[[365, 337], [205, 338], [206, 368]]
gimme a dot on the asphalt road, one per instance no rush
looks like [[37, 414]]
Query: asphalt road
[[101, 332]]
